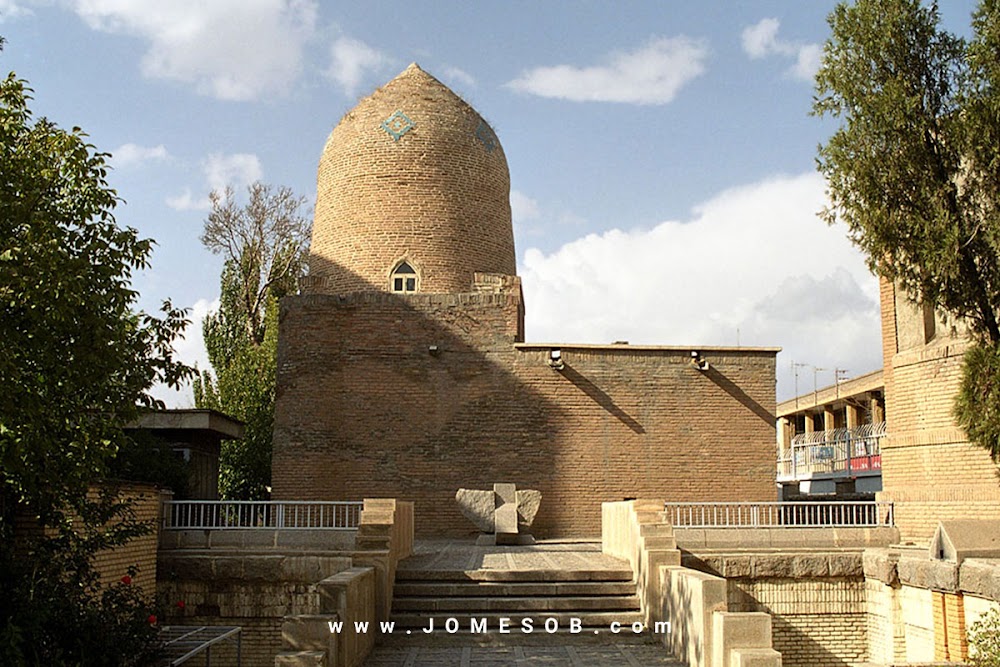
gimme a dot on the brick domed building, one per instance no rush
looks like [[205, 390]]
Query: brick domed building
[[402, 366]]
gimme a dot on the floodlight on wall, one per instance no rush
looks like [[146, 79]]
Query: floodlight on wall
[[434, 351], [555, 359], [699, 361]]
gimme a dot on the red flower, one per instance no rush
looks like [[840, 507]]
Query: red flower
[[180, 604], [152, 619], [126, 580]]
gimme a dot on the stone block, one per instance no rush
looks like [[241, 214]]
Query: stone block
[[980, 577], [690, 598], [754, 657], [310, 632], [230, 567], [505, 521], [846, 565], [506, 493], [881, 564], [301, 659], [264, 568], [528, 501], [477, 506], [735, 566], [738, 630]]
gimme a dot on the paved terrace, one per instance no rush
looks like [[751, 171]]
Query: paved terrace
[[571, 565]]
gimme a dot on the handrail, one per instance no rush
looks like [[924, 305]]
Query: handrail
[[810, 514], [839, 452], [261, 514]]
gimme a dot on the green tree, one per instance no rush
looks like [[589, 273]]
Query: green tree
[[263, 243], [76, 364], [77, 361], [914, 168]]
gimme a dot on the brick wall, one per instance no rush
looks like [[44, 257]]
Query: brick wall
[[929, 469], [364, 409], [815, 623], [437, 197], [141, 551]]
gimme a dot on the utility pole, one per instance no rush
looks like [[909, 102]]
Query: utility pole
[[839, 375], [816, 370], [795, 370]]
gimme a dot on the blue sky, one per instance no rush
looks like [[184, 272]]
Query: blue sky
[[661, 153]]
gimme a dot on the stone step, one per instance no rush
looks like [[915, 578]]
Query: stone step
[[301, 659], [605, 574], [515, 589], [514, 604], [309, 632], [592, 620]]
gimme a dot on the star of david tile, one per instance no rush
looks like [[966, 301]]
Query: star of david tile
[[397, 125], [486, 136]]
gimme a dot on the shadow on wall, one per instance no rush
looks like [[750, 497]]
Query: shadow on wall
[[381, 395], [601, 398], [736, 392]]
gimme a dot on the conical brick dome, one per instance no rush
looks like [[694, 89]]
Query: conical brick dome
[[411, 179]]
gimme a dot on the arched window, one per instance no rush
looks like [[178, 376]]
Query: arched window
[[404, 278]]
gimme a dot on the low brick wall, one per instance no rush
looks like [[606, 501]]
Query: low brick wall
[[255, 592]]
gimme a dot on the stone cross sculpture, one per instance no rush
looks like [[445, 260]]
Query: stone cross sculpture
[[502, 514]]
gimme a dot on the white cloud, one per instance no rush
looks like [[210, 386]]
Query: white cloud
[[351, 60], [189, 348], [458, 76], [760, 40], [652, 74], [237, 170], [11, 9], [522, 207], [229, 49], [188, 202], [753, 262], [129, 155], [807, 62]]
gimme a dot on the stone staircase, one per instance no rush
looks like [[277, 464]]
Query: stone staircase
[[573, 596]]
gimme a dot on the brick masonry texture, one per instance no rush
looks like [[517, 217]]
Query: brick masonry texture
[[438, 196], [364, 410], [929, 469], [415, 396], [815, 623]]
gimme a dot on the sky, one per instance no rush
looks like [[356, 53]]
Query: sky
[[662, 154]]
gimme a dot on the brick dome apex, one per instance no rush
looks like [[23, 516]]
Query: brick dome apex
[[411, 179]]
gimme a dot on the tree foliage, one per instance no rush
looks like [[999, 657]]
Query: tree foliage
[[914, 168], [76, 361], [263, 243], [76, 364]]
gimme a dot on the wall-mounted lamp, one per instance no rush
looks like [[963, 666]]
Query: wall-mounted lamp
[[434, 351], [699, 361], [555, 360]]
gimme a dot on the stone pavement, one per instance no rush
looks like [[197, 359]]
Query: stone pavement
[[568, 567], [563, 652]]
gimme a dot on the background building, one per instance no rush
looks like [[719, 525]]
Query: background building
[[402, 370]]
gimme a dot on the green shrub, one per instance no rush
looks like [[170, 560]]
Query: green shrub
[[53, 610], [984, 638]]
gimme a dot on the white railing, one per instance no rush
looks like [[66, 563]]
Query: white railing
[[840, 452], [830, 514], [286, 515]]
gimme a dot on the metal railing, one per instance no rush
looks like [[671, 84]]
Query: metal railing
[[829, 514], [285, 515], [840, 452]]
